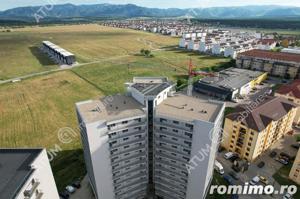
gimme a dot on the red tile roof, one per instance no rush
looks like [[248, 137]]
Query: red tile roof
[[267, 41], [262, 114], [292, 89], [265, 54]]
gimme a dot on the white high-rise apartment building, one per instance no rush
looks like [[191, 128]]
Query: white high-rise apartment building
[[141, 144], [26, 174]]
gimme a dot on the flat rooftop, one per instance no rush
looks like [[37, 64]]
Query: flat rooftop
[[15, 169], [150, 85], [58, 48], [189, 108], [232, 78], [109, 108]]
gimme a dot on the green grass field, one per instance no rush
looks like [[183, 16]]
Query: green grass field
[[32, 111], [21, 55]]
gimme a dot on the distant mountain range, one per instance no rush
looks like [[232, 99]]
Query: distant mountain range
[[130, 10]]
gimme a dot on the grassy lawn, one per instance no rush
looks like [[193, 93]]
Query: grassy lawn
[[218, 180], [281, 176], [32, 112], [92, 42]]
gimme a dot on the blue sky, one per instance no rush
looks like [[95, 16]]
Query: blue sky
[[6, 4]]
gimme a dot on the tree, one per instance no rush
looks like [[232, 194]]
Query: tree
[[147, 53]]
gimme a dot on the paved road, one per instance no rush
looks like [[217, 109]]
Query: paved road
[[85, 192]]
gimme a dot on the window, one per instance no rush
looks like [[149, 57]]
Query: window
[[231, 146], [175, 122], [189, 126], [175, 130], [124, 122], [248, 149], [247, 154], [175, 139], [249, 144], [124, 139], [162, 120]]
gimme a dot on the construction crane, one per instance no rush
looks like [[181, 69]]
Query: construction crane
[[190, 81]]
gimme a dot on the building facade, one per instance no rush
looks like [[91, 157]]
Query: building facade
[[279, 64], [295, 171], [59, 54], [139, 145], [26, 173], [292, 93], [252, 129]]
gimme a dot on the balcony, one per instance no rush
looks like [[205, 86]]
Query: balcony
[[31, 188]]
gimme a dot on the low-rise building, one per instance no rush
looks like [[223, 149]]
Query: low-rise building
[[295, 171], [292, 93], [252, 129], [59, 54], [230, 84], [275, 63], [26, 174]]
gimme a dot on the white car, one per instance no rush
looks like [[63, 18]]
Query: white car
[[255, 180], [70, 189], [228, 155]]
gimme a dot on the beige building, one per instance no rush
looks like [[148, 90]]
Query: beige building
[[274, 63], [252, 129], [295, 171], [292, 93]]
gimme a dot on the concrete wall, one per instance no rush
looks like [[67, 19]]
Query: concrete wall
[[44, 176]]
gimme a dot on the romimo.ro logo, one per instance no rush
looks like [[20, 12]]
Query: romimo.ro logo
[[252, 189]]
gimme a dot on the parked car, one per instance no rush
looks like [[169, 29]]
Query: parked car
[[261, 164], [228, 179], [263, 180], [64, 194], [255, 180], [273, 154], [219, 168], [234, 175], [228, 155], [76, 184], [282, 161], [285, 155], [70, 189], [296, 146], [234, 158]]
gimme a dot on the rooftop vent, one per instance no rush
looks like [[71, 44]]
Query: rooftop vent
[[117, 107], [191, 109]]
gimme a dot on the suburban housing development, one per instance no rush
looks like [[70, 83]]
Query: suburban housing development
[[252, 129], [140, 144], [26, 173]]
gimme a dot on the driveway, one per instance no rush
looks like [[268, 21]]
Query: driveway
[[270, 168], [85, 192]]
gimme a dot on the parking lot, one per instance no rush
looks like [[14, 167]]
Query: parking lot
[[270, 168]]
